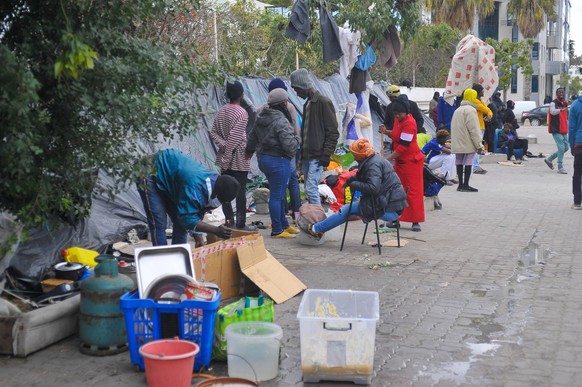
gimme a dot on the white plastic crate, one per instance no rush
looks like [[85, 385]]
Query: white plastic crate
[[338, 332]]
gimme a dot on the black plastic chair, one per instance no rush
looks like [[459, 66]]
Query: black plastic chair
[[396, 221]]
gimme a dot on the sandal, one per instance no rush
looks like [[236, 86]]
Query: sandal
[[259, 224]]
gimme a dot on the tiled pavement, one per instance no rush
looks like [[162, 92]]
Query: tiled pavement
[[461, 304]]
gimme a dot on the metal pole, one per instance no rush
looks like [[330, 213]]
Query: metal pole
[[215, 37]]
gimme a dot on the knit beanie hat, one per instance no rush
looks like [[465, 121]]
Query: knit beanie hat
[[225, 188], [361, 149], [301, 79], [477, 87], [277, 96], [277, 83], [400, 105], [234, 90], [393, 91]]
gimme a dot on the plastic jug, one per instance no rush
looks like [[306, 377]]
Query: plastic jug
[[81, 255]]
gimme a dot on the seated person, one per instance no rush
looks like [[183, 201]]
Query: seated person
[[508, 141], [380, 189], [422, 137], [437, 154]]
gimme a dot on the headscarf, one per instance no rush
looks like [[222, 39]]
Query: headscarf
[[470, 95], [361, 149]]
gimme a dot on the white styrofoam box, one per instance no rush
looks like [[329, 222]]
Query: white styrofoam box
[[337, 333]]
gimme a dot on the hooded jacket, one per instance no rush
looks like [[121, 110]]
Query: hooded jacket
[[188, 185], [575, 123], [273, 135], [378, 183], [465, 130]]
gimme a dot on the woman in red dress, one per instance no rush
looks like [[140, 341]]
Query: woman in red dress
[[408, 162]]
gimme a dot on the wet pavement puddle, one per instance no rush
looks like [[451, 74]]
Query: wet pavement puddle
[[457, 371]]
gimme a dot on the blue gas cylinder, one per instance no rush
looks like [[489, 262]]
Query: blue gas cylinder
[[101, 321]]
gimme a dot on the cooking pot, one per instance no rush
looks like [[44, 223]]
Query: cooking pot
[[69, 270]]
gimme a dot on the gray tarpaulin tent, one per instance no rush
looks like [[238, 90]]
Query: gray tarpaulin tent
[[110, 221]]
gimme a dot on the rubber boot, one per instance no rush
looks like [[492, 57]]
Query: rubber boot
[[461, 185], [468, 188]]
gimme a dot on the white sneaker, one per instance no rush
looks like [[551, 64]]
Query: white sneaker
[[512, 158], [562, 171], [576, 206]]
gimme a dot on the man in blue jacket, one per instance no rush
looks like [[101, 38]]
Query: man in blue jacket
[[575, 139], [184, 190]]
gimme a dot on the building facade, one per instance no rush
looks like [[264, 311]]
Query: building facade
[[549, 53]]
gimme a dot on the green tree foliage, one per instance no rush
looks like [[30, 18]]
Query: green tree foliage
[[87, 86], [510, 56], [425, 59], [372, 18], [459, 14], [572, 84]]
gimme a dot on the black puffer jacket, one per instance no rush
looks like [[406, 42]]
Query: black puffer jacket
[[273, 135], [377, 181]]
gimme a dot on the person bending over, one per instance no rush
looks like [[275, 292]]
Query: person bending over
[[184, 190]]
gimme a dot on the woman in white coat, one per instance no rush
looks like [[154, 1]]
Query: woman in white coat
[[466, 138]]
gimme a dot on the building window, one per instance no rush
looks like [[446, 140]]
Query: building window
[[535, 51], [534, 84], [514, 34], [514, 79], [489, 26], [509, 19]]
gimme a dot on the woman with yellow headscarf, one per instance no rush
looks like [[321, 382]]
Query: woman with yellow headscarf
[[466, 138]]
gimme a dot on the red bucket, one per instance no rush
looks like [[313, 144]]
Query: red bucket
[[169, 363]]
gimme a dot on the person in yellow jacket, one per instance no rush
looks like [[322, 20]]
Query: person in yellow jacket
[[484, 114]]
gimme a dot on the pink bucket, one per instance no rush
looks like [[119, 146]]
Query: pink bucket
[[169, 363]]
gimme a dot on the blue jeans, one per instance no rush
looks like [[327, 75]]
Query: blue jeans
[[563, 146], [277, 170], [312, 174], [342, 215], [477, 159], [294, 187], [158, 207]]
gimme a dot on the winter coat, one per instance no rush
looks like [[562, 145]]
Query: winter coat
[[320, 133], [558, 120], [482, 111], [575, 123], [378, 183], [445, 113], [273, 135], [465, 131]]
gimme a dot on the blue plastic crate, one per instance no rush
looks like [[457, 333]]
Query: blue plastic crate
[[192, 320]]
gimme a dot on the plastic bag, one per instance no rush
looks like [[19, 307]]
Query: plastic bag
[[246, 309]]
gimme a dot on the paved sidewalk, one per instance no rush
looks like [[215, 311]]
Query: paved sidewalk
[[461, 304]]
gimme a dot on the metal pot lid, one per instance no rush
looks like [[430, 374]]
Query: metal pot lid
[[69, 266]]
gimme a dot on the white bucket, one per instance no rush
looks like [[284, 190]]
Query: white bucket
[[253, 350]]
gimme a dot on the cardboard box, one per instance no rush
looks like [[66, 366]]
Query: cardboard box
[[224, 263]]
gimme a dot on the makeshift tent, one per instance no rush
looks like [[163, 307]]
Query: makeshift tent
[[110, 221]]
